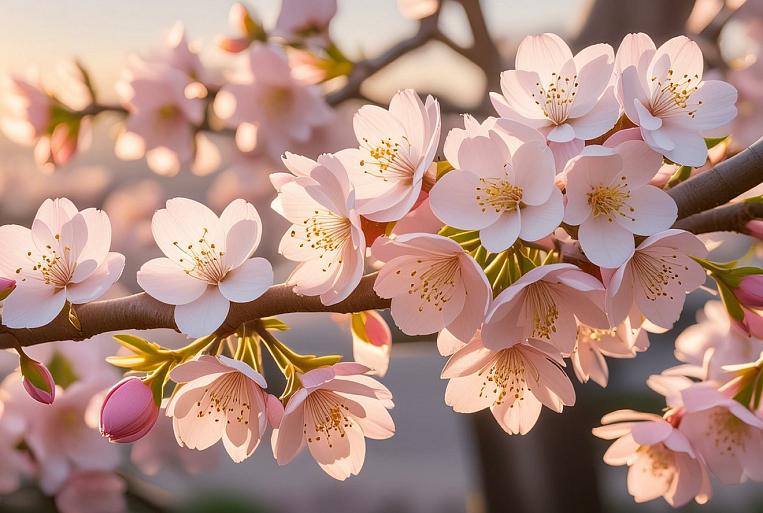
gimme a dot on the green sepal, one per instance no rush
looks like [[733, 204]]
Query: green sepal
[[32, 372], [443, 167], [712, 142], [683, 173], [73, 319]]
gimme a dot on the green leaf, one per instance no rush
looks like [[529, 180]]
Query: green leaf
[[712, 142], [730, 301], [682, 173], [137, 345]]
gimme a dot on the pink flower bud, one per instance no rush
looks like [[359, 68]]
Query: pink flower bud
[[755, 228], [37, 380], [129, 411], [6, 287], [750, 291]]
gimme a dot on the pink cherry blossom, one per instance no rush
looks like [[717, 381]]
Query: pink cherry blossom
[[333, 414], [505, 194], [37, 380], [15, 464], [514, 382], [64, 257], [544, 305], [418, 9], [661, 460], [371, 341], [609, 196], [657, 277], [433, 283], [750, 291], [326, 237], [569, 98], [662, 91], [92, 492], [304, 18], [207, 262], [747, 126], [6, 287], [622, 341], [397, 147], [715, 342], [27, 110], [270, 109], [727, 434], [245, 25], [129, 411], [220, 398]]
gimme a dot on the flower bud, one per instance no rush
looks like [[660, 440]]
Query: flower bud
[[129, 411], [6, 287], [750, 291], [37, 380], [755, 228]]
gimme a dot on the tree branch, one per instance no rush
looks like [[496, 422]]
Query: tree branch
[[724, 182], [729, 218]]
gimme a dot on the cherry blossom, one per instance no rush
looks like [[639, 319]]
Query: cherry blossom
[[609, 196], [270, 109], [543, 305], [129, 411], [371, 341], [514, 382], [304, 18], [418, 9], [661, 460], [504, 194], [622, 341], [433, 283], [326, 236], [725, 432], [207, 262], [15, 464], [333, 414], [569, 98], [220, 398], [397, 147], [92, 492], [657, 277], [64, 257], [661, 90]]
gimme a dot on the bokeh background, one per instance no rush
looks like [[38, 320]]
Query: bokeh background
[[438, 461]]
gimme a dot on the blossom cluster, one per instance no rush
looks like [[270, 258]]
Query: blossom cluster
[[543, 238]]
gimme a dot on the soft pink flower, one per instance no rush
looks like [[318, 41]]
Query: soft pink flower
[[15, 464], [506, 194], [333, 414], [622, 341], [220, 398], [131, 219], [6, 287], [326, 237], [37, 380], [64, 257], [748, 125], [750, 291], [207, 263], [514, 382], [159, 450], [419, 220], [727, 434], [128, 411], [433, 283], [270, 109], [92, 492], [715, 342], [244, 24], [657, 277], [397, 147], [662, 91], [661, 460], [609, 196], [544, 305], [418, 9], [304, 18], [755, 228], [371, 341], [569, 98], [28, 110]]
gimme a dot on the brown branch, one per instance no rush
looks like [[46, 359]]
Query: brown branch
[[142, 312], [729, 218], [724, 182]]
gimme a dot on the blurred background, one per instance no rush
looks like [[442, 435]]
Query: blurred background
[[438, 461]]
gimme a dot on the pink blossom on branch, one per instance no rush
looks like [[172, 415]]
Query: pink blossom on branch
[[129, 411], [207, 262], [64, 257], [333, 414]]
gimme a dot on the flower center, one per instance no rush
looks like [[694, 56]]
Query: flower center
[[325, 232], [52, 266], [587, 334], [655, 272], [728, 432], [226, 398], [608, 200], [205, 259], [435, 283], [498, 194], [556, 98], [661, 459], [672, 96], [505, 378], [328, 416], [389, 160], [545, 313]]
